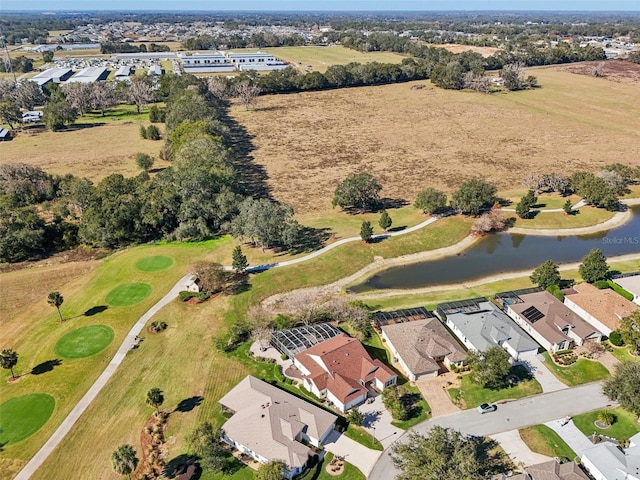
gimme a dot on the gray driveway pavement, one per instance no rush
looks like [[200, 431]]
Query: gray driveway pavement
[[576, 440], [517, 450], [358, 455], [509, 416], [543, 375]]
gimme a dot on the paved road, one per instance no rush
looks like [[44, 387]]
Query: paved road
[[509, 416], [68, 423]]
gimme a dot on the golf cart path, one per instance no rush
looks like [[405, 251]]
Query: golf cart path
[[67, 424]]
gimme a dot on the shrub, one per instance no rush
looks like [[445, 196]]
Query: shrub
[[156, 114], [556, 292], [606, 417], [184, 295], [153, 133], [158, 326], [616, 339], [143, 132]]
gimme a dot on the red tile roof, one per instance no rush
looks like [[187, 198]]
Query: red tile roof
[[341, 364]]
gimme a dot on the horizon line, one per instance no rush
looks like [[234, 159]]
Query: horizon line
[[223, 10]]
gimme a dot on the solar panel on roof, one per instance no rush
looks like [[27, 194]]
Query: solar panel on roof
[[533, 314]]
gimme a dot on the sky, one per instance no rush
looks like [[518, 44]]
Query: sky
[[332, 5]]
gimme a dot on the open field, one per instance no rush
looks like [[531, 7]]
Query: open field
[[320, 58], [613, 71], [584, 217], [457, 48], [94, 148], [410, 139]]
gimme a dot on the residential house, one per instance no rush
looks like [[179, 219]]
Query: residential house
[[549, 321], [193, 284], [608, 461], [423, 348], [341, 370], [551, 470], [631, 283], [487, 326], [601, 308], [271, 424]]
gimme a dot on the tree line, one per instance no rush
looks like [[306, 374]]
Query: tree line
[[122, 47]]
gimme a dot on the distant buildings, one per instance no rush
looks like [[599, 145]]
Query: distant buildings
[[55, 75], [206, 62], [90, 75]]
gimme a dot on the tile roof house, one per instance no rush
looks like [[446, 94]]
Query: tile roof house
[[601, 308], [271, 424], [551, 470], [488, 327], [424, 348], [550, 322], [607, 461], [340, 370]]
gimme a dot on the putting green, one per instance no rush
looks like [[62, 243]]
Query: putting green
[[154, 264], [128, 294], [84, 342], [21, 417]]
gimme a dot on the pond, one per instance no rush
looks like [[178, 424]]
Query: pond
[[506, 252]]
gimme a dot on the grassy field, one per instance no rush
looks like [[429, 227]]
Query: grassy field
[[33, 329], [584, 217], [323, 136], [97, 146], [583, 371], [624, 427], [315, 58], [470, 394], [541, 439]]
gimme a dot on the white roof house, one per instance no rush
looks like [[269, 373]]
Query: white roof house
[[487, 326], [206, 63], [631, 283], [607, 461], [271, 424]]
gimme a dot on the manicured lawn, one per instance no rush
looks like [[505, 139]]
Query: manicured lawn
[[363, 437], [541, 439], [624, 428], [583, 371], [155, 263], [84, 341], [624, 354], [470, 394], [584, 217], [319, 472], [21, 417], [128, 294]]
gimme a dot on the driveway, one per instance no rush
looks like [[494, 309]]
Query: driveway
[[433, 390], [377, 421], [517, 450], [542, 374], [570, 434], [361, 457]]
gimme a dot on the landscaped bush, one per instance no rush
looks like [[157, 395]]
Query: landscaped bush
[[616, 339], [184, 295], [556, 292], [606, 417], [158, 326]]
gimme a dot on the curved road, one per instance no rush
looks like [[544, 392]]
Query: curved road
[[509, 416], [68, 423]]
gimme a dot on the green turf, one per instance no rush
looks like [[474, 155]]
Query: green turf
[[128, 294], [155, 263], [21, 417], [623, 428], [84, 342], [541, 439], [583, 371]]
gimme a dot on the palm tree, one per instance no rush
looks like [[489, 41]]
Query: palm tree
[[8, 360], [155, 398], [55, 299], [124, 460]]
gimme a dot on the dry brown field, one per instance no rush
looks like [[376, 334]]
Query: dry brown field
[[615, 70], [456, 48], [410, 139], [92, 152]]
